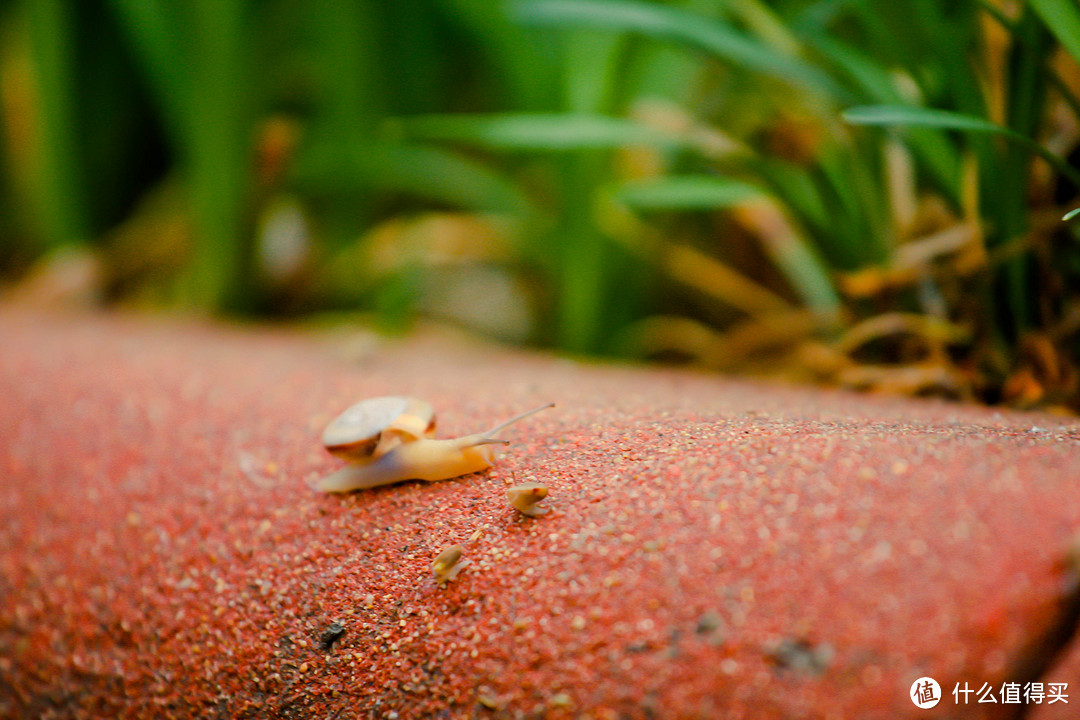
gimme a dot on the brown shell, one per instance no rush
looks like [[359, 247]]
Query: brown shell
[[354, 434]]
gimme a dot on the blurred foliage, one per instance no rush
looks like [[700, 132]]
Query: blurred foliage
[[859, 192]]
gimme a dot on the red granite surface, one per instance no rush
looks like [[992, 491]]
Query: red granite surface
[[716, 548]]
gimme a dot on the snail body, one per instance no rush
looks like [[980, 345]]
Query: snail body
[[388, 440]]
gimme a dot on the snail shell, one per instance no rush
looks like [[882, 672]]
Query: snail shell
[[373, 427], [524, 498]]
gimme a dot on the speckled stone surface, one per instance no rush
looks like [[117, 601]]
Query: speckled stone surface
[[715, 548]]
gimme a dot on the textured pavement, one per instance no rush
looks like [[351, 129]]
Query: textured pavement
[[716, 548]]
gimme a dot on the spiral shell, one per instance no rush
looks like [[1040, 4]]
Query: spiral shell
[[374, 426]]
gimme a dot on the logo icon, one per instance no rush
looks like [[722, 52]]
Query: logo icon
[[925, 692]]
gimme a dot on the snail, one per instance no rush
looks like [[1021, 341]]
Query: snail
[[450, 560], [524, 497], [386, 440], [449, 563]]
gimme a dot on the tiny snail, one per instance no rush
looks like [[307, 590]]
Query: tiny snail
[[449, 563], [389, 439], [525, 496]]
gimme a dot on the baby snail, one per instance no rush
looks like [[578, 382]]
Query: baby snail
[[449, 563], [386, 440], [525, 496]]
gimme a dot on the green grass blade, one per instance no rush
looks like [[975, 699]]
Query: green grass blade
[[347, 74], [684, 192], [592, 68], [525, 64], [158, 37], [951, 32], [876, 84], [1062, 18], [798, 190], [858, 235], [426, 172], [669, 23], [590, 292], [924, 117], [873, 80], [59, 190], [217, 156], [536, 132], [349, 93], [764, 23], [945, 120]]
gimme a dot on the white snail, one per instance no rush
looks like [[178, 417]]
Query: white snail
[[386, 440]]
